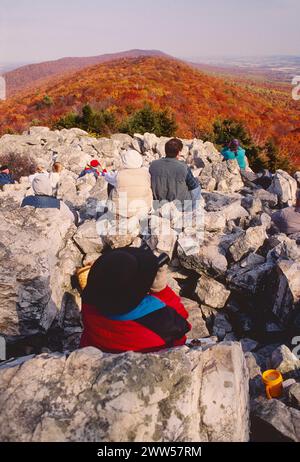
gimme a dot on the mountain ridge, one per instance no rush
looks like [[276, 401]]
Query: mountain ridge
[[196, 99], [31, 74]]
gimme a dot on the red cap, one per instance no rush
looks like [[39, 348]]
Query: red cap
[[94, 163]]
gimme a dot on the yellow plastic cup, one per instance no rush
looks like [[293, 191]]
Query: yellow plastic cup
[[273, 383]]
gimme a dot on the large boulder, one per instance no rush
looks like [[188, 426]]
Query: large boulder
[[34, 279], [107, 148], [123, 140], [118, 231], [212, 292], [273, 421], [285, 187], [199, 328], [88, 239], [294, 396], [210, 258], [204, 153], [222, 176], [182, 394], [251, 275], [267, 198], [287, 290], [250, 241], [284, 360]]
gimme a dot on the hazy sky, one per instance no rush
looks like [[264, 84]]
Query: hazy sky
[[38, 30]]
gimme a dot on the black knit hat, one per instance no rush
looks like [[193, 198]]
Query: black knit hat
[[119, 280]]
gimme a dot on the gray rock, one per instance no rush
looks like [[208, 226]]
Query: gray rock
[[214, 221], [287, 290], [294, 395], [251, 275], [285, 187], [33, 278], [248, 344], [226, 176], [120, 232], [285, 361], [123, 140], [107, 147], [250, 241], [221, 326], [150, 141], [215, 201], [211, 292], [282, 247], [181, 394], [273, 421], [210, 259], [256, 386], [204, 153], [266, 197], [252, 204], [88, 239], [261, 220], [199, 329]]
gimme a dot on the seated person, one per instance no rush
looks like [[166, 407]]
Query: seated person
[[131, 194], [92, 167], [127, 305], [234, 151], [35, 171], [43, 198], [172, 179], [5, 176], [288, 220]]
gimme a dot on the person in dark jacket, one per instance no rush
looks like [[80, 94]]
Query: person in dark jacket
[[171, 179], [127, 305], [91, 168], [5, 176]]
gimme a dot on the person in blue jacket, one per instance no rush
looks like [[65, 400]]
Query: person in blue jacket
[[234, 151], [5, 176]]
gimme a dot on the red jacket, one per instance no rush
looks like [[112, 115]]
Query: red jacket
[[160, 321]]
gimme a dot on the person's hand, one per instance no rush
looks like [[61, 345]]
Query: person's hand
[[160, 281]]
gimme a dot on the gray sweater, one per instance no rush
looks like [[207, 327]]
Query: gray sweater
[[169, 180]]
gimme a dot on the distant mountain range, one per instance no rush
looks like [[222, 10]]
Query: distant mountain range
[[35, 74], [278, 69]]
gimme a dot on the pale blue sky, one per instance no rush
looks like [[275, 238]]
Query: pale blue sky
[[38, 30]]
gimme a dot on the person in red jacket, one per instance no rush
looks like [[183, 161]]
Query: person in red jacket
[[92, 167], [127, 306]]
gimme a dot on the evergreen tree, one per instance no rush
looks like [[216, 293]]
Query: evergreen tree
[[275, 160], [148, 120], [99, 122]]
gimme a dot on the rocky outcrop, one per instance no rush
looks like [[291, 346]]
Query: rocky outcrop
[[239, 278], [92, 396], [37, 263]]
